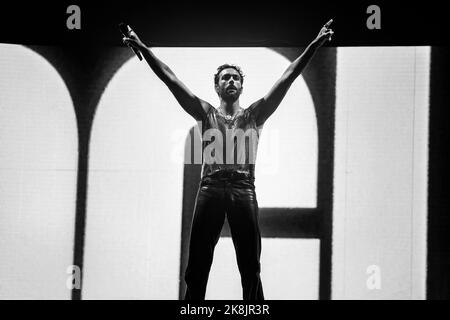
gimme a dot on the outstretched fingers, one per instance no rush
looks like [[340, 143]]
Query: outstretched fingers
[[326, 31], [327, 25]]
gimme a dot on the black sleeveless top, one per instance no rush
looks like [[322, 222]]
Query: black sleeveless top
[[230, 145]]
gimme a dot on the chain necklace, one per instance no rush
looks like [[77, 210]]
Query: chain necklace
[[227, 116]]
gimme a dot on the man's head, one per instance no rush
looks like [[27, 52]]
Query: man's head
[[228, 82]]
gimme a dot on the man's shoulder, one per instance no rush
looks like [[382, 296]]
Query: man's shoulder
[[254, 111], [207, 107], [255, 104]]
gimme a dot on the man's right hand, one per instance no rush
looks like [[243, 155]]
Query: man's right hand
[[133, 41]]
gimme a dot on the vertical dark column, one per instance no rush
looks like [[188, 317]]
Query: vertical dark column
[[320, 77], [80, 217], [438, 255]]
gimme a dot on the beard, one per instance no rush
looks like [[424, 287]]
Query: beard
[[228, 95]]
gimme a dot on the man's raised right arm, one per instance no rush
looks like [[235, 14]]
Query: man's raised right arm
[[193, 105]]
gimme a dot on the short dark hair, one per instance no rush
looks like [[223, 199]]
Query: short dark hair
[[227, 66]]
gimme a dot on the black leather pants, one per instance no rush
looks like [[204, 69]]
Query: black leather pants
[[236, 199]]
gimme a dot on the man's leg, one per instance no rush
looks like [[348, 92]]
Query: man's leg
[[207, 222], [242, 213]]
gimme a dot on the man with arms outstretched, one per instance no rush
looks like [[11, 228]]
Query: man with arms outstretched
[[227, 183]]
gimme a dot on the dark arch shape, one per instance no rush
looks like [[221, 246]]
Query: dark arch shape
[[86, 73]]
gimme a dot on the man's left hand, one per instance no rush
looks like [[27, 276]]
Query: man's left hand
[[325, 34]]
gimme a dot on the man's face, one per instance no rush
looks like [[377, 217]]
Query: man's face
[[229, 86]]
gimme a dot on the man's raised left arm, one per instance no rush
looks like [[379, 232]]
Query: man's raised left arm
[[266, 106]]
